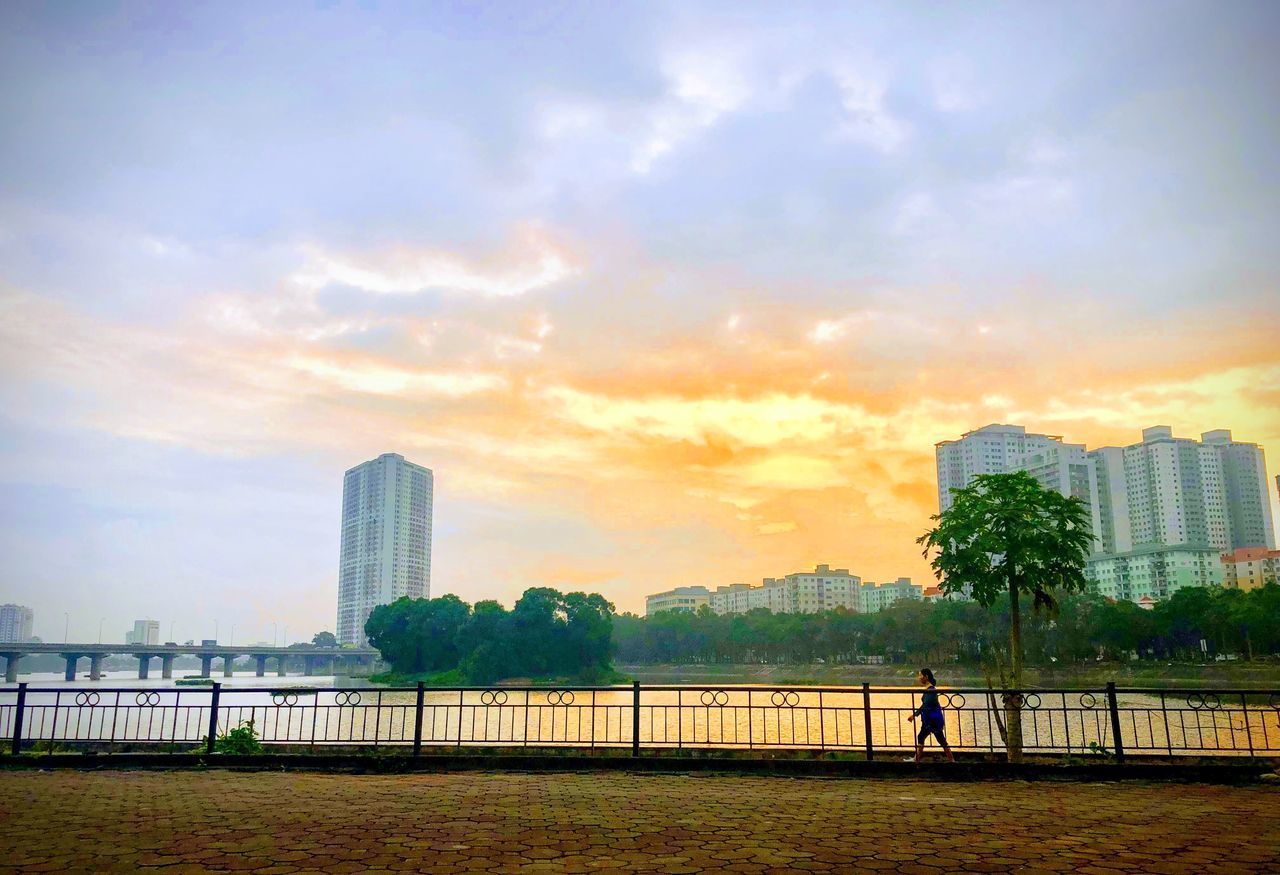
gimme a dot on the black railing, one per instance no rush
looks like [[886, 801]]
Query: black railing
[[1106, 721]]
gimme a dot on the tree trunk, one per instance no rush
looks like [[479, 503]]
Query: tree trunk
[[1013, 702]]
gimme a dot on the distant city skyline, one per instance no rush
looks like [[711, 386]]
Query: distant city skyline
[[663, 292]]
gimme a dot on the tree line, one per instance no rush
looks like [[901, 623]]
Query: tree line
[[548, 634], [1084, 628]]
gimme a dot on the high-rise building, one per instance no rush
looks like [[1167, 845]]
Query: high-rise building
[[386, 540], [992, 449], [144, 632], [1001, 449], [15, 623]]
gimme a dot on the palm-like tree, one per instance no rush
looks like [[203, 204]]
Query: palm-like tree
[[1005, 535]]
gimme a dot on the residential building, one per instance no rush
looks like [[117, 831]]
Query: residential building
[[144, 632], [1067, 470], [992, 449], [386, 540], [682, 598], [1154, 572], [877, 598], [15, 623], [1114, 533], [1250, 568], [804, 592]]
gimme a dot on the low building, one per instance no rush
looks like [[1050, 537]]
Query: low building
[[1155, 572], [682, 598], [803, 592], [877, 598], [1250, 568], [15, 623]]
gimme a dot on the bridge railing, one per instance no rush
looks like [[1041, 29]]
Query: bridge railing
[[1110, 720]]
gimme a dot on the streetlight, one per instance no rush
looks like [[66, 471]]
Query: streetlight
[[284, 639], [233, 635], [275, 634], [171, 630], [66, 626], [100, 622], [215, 631]]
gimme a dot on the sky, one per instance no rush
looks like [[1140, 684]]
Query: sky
[[664, 294]]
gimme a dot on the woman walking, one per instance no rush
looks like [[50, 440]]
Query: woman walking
[[932, 721]]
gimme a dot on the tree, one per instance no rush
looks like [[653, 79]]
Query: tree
[[324, 639], [1005, 535], [417, 635]]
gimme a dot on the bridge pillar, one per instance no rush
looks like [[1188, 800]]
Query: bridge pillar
[[206, 665], [280, 665], [95, 667], [308, 666], [166, 665], [11, 667], [144, 666], [227, 662], [72, 659], [262, 664]]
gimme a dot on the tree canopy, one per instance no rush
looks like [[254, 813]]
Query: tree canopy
[[546, 634]]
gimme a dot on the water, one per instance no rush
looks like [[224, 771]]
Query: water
[[294, 709]]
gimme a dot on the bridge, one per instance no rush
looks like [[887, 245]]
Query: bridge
[[312, 657]]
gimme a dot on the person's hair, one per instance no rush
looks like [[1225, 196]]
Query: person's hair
[[928, 675]]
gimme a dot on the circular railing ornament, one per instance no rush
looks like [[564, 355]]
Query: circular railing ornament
[[714, 697], [955, 700], [1211, 701], [347, 697], [785, 699], [86, 699], [1088, 700], [1274, 701], [288, 700], [147, 699], [1028, 703], [560, 697], [1195, 701], [495, 697]]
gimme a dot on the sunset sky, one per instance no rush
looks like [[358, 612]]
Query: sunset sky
[[663, 294]]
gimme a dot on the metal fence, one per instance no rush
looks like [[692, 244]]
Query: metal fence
[[865, 719]]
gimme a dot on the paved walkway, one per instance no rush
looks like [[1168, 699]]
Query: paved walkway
[[610, 822]]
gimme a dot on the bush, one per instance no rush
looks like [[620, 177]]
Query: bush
[[241, 741]]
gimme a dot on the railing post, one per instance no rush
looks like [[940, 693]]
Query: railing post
[[866, 719], [635, 718], [213, 717], [1116, 740], [417, 721], [17, 718]]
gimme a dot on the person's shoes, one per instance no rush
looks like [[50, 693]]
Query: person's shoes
[[909, 760]]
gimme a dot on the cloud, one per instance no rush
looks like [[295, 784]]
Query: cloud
[[534, 261]]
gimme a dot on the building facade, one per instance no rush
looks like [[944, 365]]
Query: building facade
[[803, 592], [143, 632], [1250, 568], [992, 449], [15, 623], [1154, 573], [682, 598], [386, 540]]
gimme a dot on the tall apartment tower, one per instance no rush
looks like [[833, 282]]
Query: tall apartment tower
[[386, 540], [15, 623], [1000, 449], [143, 632], [1169, 491], [992, 449]]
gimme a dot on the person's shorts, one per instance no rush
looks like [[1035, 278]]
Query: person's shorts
[[935, 727]]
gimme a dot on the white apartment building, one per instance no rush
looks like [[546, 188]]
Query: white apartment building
[[1154, 572], [144, 632], [992, 449], [386, 540], [15, 623], [1001, 449], [804, 592], [682, 598]]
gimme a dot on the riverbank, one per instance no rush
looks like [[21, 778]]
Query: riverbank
[[1190, 675]]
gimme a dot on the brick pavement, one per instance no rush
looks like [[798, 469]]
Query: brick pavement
[[263, 822]]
